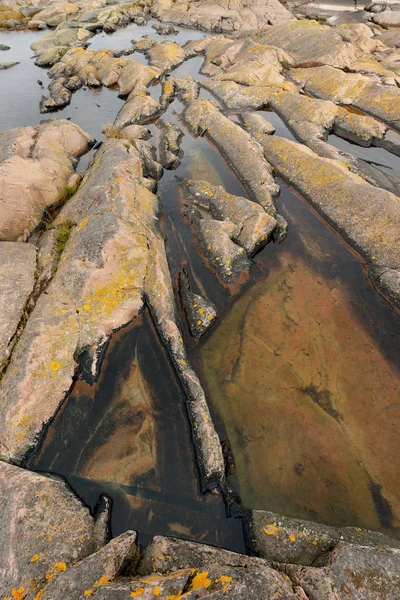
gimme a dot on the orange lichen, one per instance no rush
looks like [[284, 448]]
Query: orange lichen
[[137, 592], [18, 594]]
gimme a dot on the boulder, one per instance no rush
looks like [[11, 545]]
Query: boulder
[[387, 19], [169, 145], [166, 55], [165, 29], [30, 11], [380, 101], [376, 7], [7, 65], [36, 166], [286, 540], [243, 155], [4, 47], [44, 529], [86, 577], [356, 572], [35, 25], [222, 15], [137, 110], [255, 226], [61, 37], [17, 278]]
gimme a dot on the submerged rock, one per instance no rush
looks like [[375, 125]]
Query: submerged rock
[[44, 529], [159, 295], [17, 278], [36, 170], [166, 55]]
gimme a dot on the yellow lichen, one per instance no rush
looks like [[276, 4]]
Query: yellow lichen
[[18, 594], [200, 580], [55, 365], [270, 529], [103, 581], [34, 558]]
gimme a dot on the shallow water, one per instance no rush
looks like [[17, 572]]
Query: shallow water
[[128, 436], [301, 367], [304, 373]]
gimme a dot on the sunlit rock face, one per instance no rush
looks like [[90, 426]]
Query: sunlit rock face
[[313, 430]]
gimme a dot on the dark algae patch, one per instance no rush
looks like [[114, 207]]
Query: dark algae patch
[[303, 372]]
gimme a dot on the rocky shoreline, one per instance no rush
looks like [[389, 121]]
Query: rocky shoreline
[[82, 258]]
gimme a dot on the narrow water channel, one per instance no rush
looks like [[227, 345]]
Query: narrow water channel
[[301, 367]]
